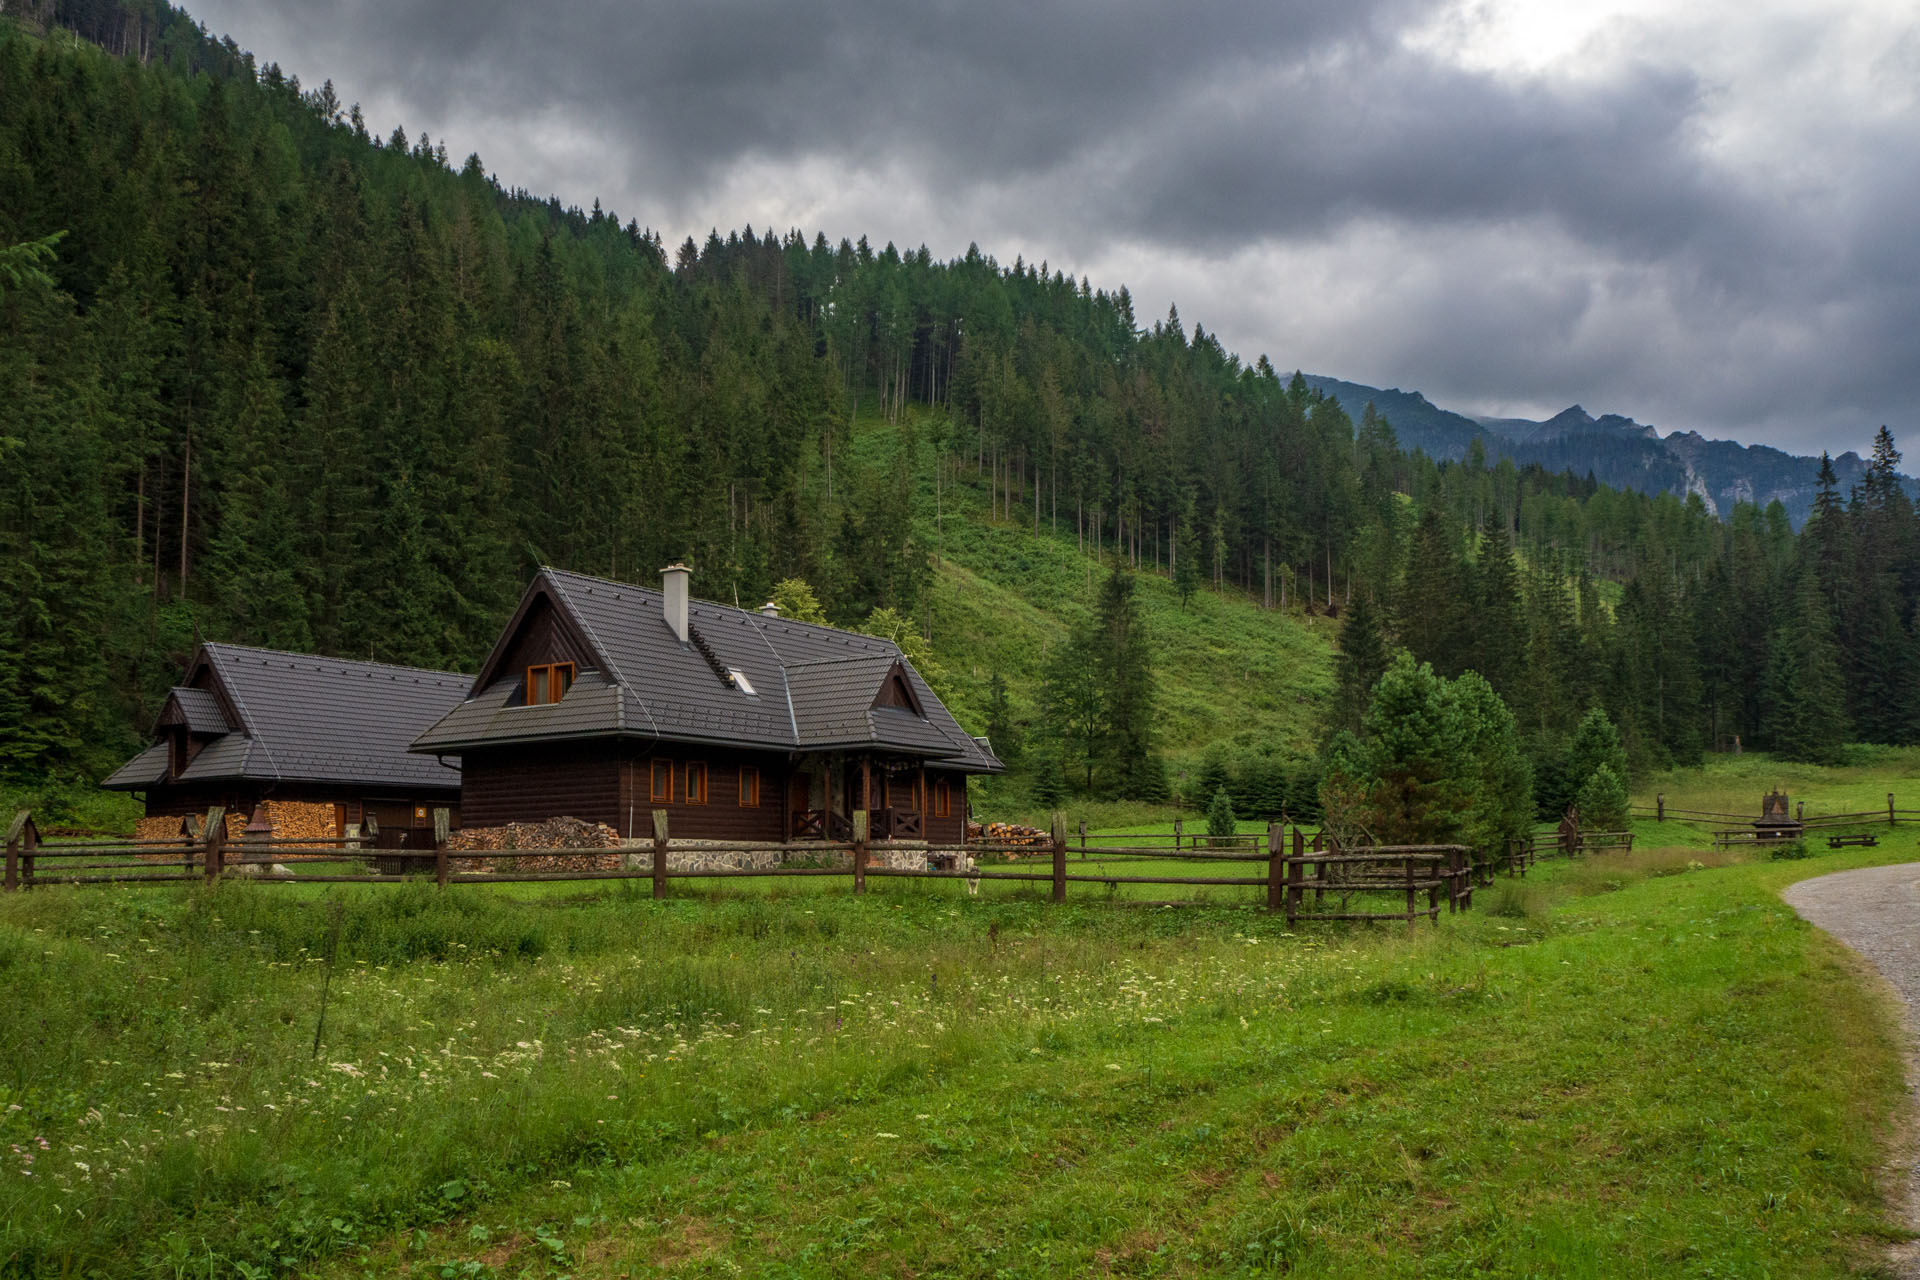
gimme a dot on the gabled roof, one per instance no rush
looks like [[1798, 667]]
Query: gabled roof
[[197, 709], [302, 718], [814, 687]]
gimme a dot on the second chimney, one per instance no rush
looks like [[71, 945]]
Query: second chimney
[[769, 610], [673, 598]]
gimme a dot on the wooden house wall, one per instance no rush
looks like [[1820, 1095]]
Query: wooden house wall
[[351, 803], [722, 817], [544, 637], [539, 781]]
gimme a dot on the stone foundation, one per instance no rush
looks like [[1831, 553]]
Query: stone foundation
[[724, 855]]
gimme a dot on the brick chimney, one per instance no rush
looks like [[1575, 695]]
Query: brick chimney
[[674, 580]]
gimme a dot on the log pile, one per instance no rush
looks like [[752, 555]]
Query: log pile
[[554, 833], [300, 820], [1008, 833]]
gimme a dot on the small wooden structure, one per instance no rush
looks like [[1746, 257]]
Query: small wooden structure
[[1776, 820]]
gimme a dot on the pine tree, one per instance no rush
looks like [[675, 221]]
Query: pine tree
[[1602, 801], [1357, 667], [1806, 693], [1221, 824], [1434, 622], [1498, 631]]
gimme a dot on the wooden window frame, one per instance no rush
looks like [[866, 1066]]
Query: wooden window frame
[[688, 772], [942, 799], [545, 674], [749, 787], [656, 794]]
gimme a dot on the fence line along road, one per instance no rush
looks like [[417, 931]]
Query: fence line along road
[[1287, 865]]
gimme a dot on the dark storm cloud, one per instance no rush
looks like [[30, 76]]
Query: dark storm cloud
[[1305, 177]]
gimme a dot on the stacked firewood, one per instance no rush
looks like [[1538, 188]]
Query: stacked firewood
[[1007, 833], [554, 833]]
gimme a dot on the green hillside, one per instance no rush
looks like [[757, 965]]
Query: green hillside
[[1003, 595]]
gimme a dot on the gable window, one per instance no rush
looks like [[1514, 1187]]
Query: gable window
[[696, 781], [549, 683], [662, 792], [942, 799], [749, 786]]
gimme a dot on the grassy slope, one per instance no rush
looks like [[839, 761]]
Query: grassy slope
[[1621, 1067], [1004, 594]]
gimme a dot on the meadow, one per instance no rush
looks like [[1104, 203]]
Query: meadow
[[1627, 1065]]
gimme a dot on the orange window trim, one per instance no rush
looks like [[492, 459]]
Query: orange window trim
[[749, 786], [942, 799], [695, 772], [662, 790], [548, 683]]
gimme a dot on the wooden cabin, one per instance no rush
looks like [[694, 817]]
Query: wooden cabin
[[604, 701], [307, 744]]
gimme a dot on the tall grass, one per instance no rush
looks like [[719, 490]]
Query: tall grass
[[1626, 1057]]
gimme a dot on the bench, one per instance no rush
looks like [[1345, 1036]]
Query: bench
[[1864, 841]]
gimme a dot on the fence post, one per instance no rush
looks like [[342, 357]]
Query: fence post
[[659, 853], [1296, 875], [1177, 826], [1890, 817], [861, 819], [442, 828], [1083, 835], [15, 835], [216, 847], [1059, 856], [1660, 807], [1407, 862], [1276, 863]]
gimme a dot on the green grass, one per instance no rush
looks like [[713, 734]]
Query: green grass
[[1621, 1066], [1003, 594]]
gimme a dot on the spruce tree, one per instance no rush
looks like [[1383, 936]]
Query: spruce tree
[[1358, 665], [1434, 622], [1806, 692]]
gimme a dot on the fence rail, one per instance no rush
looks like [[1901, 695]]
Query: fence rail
[[1287, 866]]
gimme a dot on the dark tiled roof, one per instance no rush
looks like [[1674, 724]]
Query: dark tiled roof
[[198, 709], [311, 719], [813, 686]]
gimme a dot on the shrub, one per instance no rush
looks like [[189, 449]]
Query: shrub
[[1220, 820], [1603, 800]]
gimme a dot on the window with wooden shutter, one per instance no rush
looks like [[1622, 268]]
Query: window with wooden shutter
[[662, 790], [696, 781], [749, 786], [942, 799]]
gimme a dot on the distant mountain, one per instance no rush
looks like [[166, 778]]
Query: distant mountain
[[1416, 419], [1617, 450]]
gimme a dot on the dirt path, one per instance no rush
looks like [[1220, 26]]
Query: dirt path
[[1876, 911]]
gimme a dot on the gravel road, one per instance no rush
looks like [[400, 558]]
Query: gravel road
[[1876, 911]]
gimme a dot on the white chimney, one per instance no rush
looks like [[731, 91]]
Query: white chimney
[[769, 610], [673, 602]]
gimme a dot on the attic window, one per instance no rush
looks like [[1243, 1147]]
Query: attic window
[[741, 682], [548, 683]]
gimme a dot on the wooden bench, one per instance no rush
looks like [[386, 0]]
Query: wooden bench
[[1865, 840]]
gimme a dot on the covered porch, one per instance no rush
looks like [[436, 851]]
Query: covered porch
[[825, 789]]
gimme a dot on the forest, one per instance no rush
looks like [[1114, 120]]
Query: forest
[[269, 376]]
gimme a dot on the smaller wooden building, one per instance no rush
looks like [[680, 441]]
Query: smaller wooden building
[[603, 701], [310, 744]]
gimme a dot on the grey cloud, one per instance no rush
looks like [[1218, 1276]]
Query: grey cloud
[[1585, 234]]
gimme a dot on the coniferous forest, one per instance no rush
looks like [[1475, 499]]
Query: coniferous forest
[[268, 376]]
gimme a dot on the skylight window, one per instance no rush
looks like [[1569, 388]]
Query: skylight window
[[740, 681]]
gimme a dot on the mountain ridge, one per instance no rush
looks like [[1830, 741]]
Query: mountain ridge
[[1616, 449]]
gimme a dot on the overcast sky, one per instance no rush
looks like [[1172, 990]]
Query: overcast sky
[[1702, 215]]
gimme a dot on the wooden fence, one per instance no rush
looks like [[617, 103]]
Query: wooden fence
[[1285, 868], [1523, 852], [1892, 815]]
